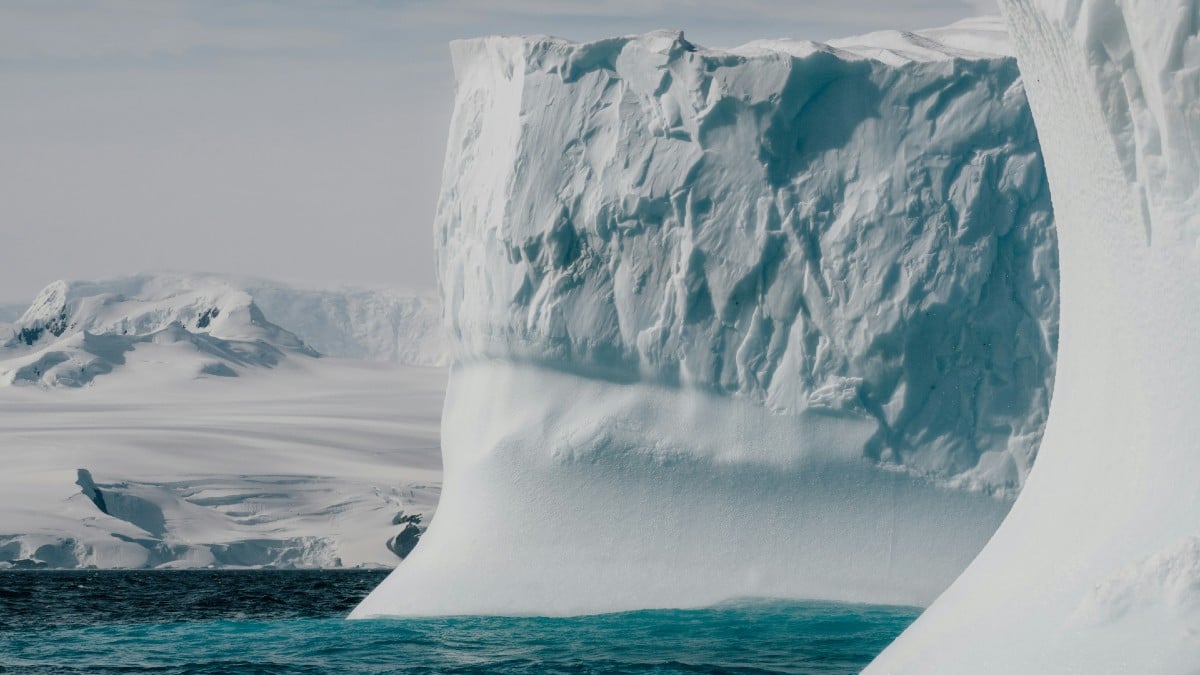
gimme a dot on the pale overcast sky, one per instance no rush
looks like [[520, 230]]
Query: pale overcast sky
[[300, 140]]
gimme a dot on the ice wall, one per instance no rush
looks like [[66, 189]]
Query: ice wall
[[771, 321], [1097, 568]]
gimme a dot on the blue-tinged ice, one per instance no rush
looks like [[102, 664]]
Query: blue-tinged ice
[[775, 321]]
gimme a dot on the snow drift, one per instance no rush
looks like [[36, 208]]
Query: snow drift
[[1097, 567], [771, 321]]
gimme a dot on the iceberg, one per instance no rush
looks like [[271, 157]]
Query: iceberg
[[1097, 568], [772, 321]]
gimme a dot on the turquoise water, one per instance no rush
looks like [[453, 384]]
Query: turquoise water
[[275, 622]]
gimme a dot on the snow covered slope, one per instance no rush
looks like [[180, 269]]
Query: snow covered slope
[[74, 332], [207, 325], [373, 324], [166, 458], [1097, 568], [774, 321], [307, 466]]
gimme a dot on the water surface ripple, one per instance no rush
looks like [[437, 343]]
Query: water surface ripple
[[291, 622]]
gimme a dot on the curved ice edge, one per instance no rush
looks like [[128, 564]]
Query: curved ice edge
[[681, 506], [1097, 569]]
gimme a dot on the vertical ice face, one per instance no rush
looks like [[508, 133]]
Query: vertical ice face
[[1097, 568], [793, 224], [772, 321]]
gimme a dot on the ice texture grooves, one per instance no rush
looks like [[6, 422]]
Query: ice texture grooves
[[1097, 568], [772, 321], [813, 231]]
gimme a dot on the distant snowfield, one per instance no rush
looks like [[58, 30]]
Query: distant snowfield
[[301, 466], [160, 460]]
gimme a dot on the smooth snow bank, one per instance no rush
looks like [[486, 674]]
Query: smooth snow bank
[[774, 321], [571, 496], [975, 38], [308, 466], [76, 331], [1095, 570]]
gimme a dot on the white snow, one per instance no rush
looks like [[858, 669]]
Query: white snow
[[373, 324], [1167, 580], [214, 435], [773, 321], [217, 326], [566, 495], [1095, 569], [296, 467]]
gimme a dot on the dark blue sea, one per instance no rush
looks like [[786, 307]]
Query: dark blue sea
[[292, 622]]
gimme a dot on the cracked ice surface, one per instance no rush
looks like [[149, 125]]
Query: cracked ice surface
[[771, 321]]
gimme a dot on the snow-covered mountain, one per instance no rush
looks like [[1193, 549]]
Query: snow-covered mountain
[[208, 433], [74, 332], [1097, 568], [776, 321], [313, 465], [204, 325]]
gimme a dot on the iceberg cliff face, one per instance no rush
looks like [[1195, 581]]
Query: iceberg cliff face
[[710, 308], [1098, 565], [797, 225]]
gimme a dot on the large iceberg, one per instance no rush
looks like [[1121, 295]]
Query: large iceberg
[[774, 321], [1097, 568]]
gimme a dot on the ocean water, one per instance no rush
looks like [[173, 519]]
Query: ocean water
[[292, 622]]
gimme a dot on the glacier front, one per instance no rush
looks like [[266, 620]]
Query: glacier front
[[1097, 568], [774, 321]]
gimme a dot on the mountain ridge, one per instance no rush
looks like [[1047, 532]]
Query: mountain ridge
[[75, 331]]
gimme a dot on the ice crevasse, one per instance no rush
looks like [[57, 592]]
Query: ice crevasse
[[1097, 568], [773, 321]]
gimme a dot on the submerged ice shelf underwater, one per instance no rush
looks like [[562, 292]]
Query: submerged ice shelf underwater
[[776, 321]]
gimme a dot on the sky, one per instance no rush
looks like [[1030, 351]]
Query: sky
[[298, 140]]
